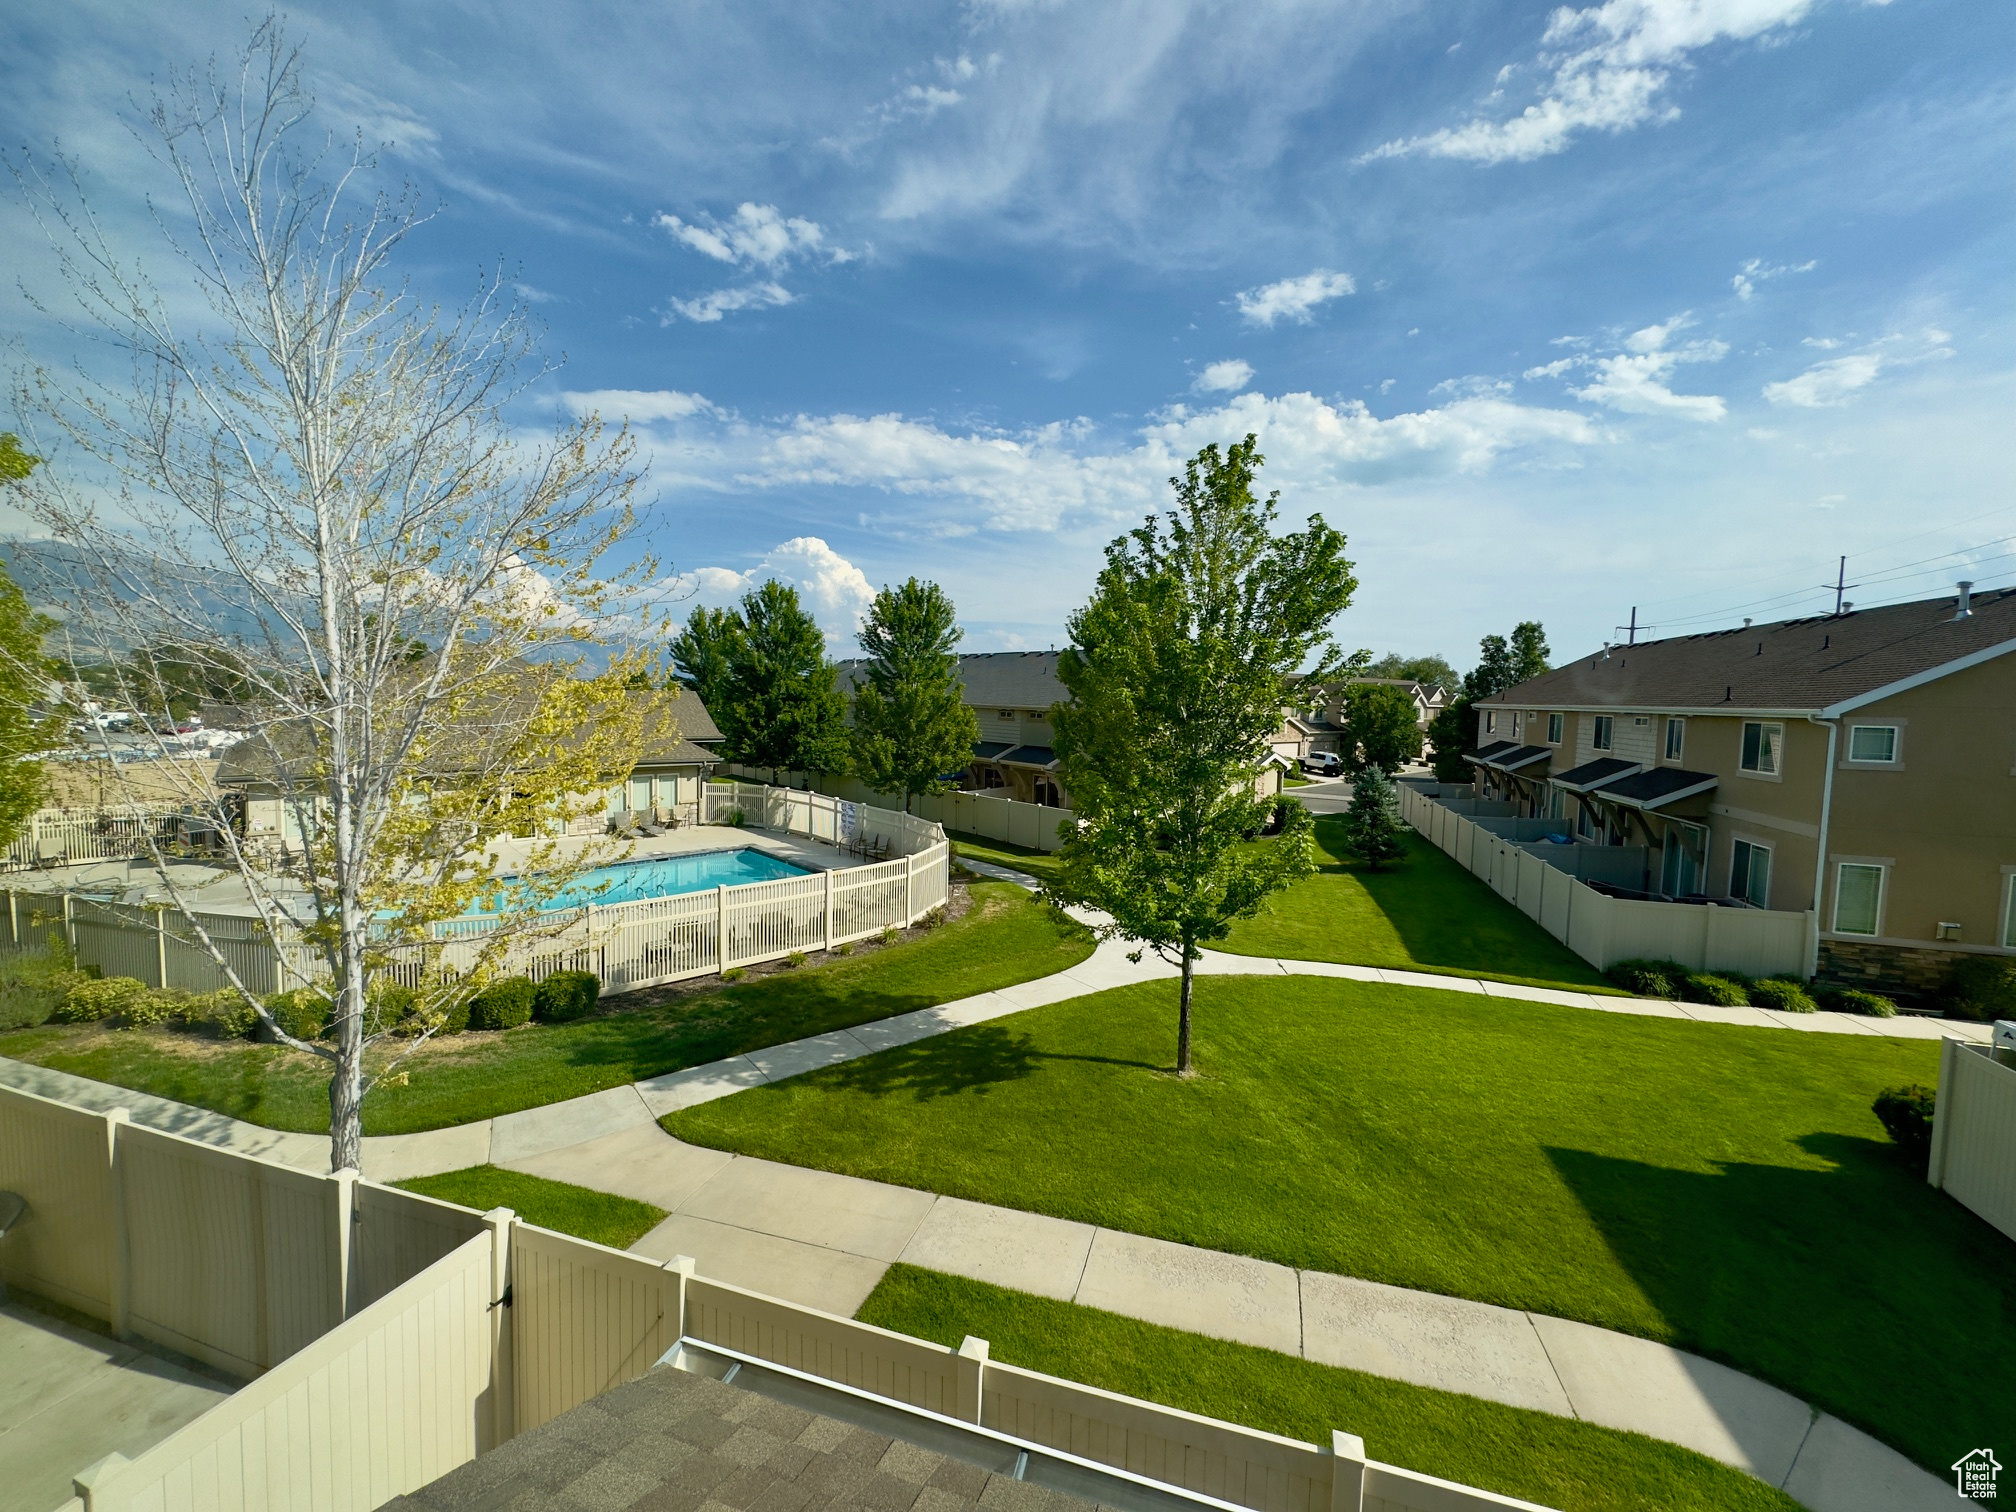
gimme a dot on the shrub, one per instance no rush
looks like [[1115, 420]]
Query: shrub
[[222, 1014], [795, 959], [90, 1001], [1786, 994], [1981, 988], [733, 974], [503, 1004], [1868, 1004], [1907, 1113], [888, 935], [733, 816], [302, 1011], [33, 986], [149, 1008], [846, 949], [566, 996], [932, 919], [1656, 979], [1712, 988]]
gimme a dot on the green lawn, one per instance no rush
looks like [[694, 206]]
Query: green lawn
[[1425, 913], [1724, 1189], [1004, 938], [1039, 864], [1558, 1462], [618, 1222]]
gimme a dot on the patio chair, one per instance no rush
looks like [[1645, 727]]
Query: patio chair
[[881, 852], [12, 1206]]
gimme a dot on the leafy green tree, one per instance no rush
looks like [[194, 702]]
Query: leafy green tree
[[1373, 829], [703, 652], [782, 706], [912, 728], [1382, 729], [26, 677], [1421, 669], [1501, 663], [1178, 670]]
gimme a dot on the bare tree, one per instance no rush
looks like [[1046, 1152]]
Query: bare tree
[[310, 500]]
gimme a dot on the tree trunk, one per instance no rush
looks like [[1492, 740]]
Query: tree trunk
[[1183, 1015], [346, 1106]]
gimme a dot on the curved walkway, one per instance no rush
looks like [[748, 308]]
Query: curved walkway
[[825, 1239]]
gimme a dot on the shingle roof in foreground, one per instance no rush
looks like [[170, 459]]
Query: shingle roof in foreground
[[1801, 664], [673, 1442]]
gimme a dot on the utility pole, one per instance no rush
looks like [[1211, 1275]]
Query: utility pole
[[1630, 631], [1840, 585]]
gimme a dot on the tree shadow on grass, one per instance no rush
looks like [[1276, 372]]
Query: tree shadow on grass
[[972, 1060], [1859, 1287]]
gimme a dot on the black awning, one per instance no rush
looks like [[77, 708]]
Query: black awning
[[991, 750], [1592, 775], [1512, 760], [1495, 749], [1030, 755], [1661, 785]]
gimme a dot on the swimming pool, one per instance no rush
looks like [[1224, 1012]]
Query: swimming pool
[[666, 876]]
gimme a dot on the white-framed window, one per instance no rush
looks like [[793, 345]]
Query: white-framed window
[[1490, 722], [1858, 897], [1750, 873], [1554, 724], [1604, 735], [1875, 744], [1763, 747], [1676, 738], [1516, 722]]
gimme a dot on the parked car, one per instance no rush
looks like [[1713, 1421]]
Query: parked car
[[1323, 763]]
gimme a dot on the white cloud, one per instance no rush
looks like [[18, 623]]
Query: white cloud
[[756, 236], [1757, 271], [1611, 64], [1827, 384], [1636, 378], [1294, 298], [711, 307], [833, 588], [641, 406], [1220, 377]]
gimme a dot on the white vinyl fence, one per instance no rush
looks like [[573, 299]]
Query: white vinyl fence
[[1974, 1132], [628, 945], [989, 815], [388, 1338], [58, 836], [1604, 930]]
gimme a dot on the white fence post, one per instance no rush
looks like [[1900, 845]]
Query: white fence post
[[829, 908], [70, 923], [161, 948], [681, 1268], [503, 1369], [1942, 1113], [721, 927], [909, 890], [1707, 937], [119, 1273], [1347, 1472], [342, 1190], [972, 1370]]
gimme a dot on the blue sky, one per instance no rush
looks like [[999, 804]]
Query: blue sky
[[1553, 312]]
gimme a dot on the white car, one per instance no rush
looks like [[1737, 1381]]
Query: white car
[[1323, 763]]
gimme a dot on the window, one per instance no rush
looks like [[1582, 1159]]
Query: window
[[1554, 722], [1490, 722], [1603, 736], [1750, 874], [1858, 898], [1676, 738], [1872, 743], [1762, 744], [2009, 912], [1515, 725]]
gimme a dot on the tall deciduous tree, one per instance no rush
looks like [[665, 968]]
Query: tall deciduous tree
[[704, 651], [912, 729], [1382, 727], [1432, 670], [315, 478], [1178, 670], [1502, 663], [26, 675], [782, 707]]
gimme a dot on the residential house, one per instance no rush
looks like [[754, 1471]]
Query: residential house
[[1318, 725], [1860, 765]]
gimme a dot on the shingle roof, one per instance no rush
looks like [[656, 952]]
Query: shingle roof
[[994, 679], [1800, 664]]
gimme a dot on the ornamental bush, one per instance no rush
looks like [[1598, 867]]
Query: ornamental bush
[[503, 1004], [1715, 989], [1786, 994], [222, 1014], [93, 1000], [1981, 988], [566, 996], [1868, 1004], [1907, 1113], [1655, 979], [302, 1011]]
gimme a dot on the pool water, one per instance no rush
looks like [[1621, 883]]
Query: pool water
[[667, 876]]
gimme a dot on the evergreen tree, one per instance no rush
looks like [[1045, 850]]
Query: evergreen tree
[[1373, 829], [1178, 669], [912, 728], [781, 706], [703, 652]]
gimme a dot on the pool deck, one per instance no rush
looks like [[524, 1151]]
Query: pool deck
[[215, 890]]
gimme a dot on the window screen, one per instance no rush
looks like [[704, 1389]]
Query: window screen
[[1858, 898], [1750, 874], [1761, 743], [1872, 743]]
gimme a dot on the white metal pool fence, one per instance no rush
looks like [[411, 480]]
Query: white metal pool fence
[[60, 836], [628, 945]]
